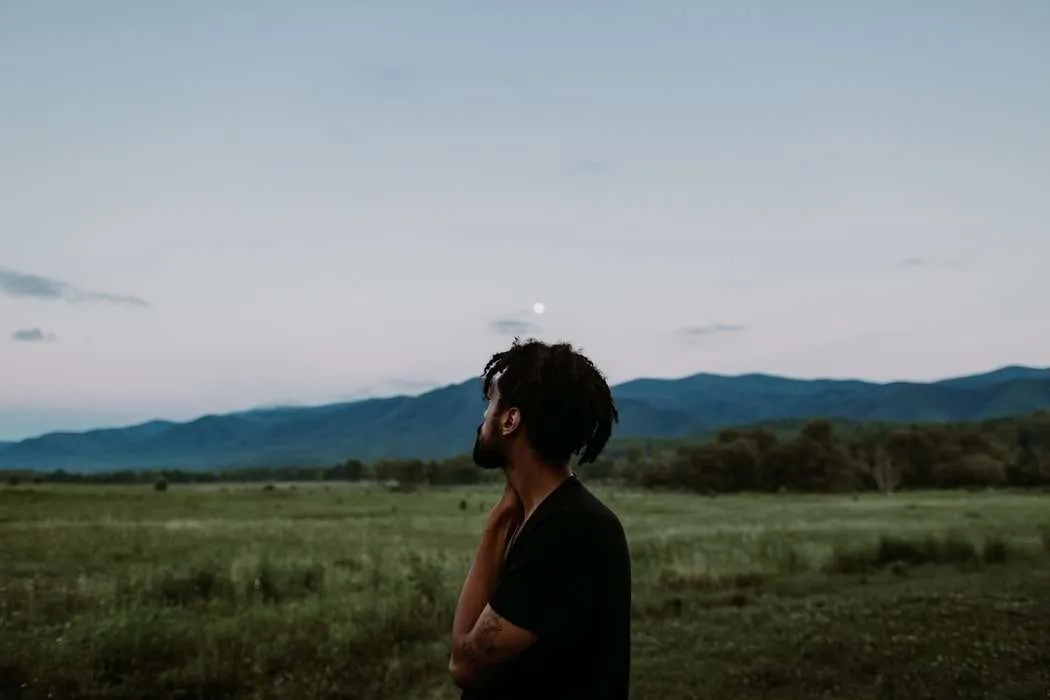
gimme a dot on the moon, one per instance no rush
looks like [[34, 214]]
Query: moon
[[538, 307]]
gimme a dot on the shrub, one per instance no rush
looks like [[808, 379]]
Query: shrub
[[202, 584], [996, 550], [273, 582], [161, 484], [781, 555], [849, 560], [899, 549], [958, 550], [891, 551]]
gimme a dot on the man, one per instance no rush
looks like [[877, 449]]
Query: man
[[545, 610]]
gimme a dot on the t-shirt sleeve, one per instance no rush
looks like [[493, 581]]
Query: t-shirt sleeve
[[549, 588]]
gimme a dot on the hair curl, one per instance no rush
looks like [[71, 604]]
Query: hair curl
[[565, 401]]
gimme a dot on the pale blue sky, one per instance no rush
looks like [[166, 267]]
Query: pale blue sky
[[207, 206]]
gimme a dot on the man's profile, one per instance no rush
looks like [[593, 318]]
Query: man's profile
[[545, 608]]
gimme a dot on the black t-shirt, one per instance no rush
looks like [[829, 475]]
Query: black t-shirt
[[566, 579]]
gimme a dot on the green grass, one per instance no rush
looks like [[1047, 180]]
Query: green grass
[[347, 591]]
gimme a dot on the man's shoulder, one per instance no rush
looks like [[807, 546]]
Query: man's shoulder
[[584, 518]]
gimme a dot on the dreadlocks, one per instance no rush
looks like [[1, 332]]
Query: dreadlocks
[[565, 401]]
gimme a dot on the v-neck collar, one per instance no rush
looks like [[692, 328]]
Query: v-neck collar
[[516, 534]]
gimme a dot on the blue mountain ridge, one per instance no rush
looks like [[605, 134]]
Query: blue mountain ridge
[[441, 423]]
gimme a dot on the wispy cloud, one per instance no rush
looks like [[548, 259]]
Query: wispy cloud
[[387, 79], [912, 263], [512, 326], [33, 335], [711, 329], [26, 285], [916, 263]]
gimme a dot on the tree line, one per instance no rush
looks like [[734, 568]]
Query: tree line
[[822, 457], [817, 456]]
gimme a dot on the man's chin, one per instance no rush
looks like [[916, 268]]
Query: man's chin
[[489, 465], [488, 461]]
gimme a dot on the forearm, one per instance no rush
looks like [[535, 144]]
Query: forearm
[[479, 584]]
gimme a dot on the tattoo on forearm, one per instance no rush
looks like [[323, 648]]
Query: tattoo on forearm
[[478, 651]]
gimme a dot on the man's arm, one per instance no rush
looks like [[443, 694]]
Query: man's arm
[[492, 641], [474, 635]]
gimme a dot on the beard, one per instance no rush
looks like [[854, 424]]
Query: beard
[[488, 455]]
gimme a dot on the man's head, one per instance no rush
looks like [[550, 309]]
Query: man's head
[[546, 402]]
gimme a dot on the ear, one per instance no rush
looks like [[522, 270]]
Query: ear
[[509, 422]]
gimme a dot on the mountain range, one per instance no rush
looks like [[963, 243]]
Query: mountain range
[[442, 422]]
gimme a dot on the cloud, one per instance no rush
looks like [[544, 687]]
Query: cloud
[[33, 335], [387, 79], [711, 329], [912, 263], [27, 285], [512, 326], [917, 263]]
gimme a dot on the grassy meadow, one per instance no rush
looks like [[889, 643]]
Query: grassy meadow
[[347, 591]]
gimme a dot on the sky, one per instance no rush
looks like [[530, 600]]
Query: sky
[[212, 205]]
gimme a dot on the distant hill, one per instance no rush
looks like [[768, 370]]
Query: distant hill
[[441, 423]]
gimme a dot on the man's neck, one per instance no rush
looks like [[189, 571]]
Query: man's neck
[[534, 481]]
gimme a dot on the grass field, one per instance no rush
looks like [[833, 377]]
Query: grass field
[[347, 591]]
